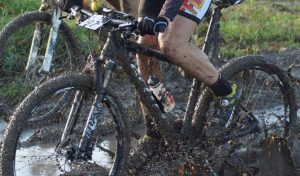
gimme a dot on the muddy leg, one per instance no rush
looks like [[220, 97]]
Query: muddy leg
[[148, 66]]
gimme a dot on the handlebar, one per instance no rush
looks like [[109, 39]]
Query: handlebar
[[105, 18], [108, 18]]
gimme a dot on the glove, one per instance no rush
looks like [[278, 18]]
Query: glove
[[152, 26], [66, 5]]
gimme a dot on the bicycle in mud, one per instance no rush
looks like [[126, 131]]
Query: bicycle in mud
[[81, 142]]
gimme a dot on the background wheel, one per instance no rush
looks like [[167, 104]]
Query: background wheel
[[15, 43]]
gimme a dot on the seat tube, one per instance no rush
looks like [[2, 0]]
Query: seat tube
[[51, 40]]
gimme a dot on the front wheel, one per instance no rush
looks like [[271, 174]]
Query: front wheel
[[36, 152]]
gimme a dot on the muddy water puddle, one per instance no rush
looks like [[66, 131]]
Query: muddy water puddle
[[41, 160]]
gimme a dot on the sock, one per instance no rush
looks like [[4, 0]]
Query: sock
[[221, 87]]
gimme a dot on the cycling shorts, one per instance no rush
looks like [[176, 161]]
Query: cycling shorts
[[191, 9]]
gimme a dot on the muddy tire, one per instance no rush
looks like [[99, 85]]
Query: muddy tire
[[13, 143], [268, 100], [15, 42], [250, 72]]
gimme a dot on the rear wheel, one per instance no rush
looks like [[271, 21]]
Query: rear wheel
[[36, 152], [267, 108]]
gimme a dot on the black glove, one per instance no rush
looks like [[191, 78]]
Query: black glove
[[152, 26], [66, 5]]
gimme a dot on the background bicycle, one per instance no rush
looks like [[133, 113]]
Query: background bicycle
[[35, 46]]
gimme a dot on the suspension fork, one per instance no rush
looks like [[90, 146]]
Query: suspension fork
[[51, 40], [97, 108], [35, 45], [72, 117], [37, 40]]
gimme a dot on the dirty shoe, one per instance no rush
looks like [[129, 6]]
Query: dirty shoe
[[227, 104]]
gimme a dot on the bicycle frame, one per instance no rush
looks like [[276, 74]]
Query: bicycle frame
[[116, 50], [122, 47]]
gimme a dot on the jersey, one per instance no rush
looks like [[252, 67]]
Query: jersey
[[191, 9]]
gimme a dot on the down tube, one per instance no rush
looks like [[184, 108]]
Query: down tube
[[144, 93]]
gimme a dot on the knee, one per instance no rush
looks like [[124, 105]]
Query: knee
[[169, 45]]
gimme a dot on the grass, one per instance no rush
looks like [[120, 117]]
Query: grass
[[10, 9], [13, 93], [252, 27], [257, 26]]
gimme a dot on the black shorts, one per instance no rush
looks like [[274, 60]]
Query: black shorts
[[191, 9]]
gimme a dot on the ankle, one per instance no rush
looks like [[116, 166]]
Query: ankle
[[221, 87]]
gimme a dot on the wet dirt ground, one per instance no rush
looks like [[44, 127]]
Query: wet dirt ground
[[170, 161], [273, 156]]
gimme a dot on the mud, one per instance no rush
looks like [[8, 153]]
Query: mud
[[183, 159], [272, 157]]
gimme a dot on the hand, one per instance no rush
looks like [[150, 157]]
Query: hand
[[66, 5], [152, 26]]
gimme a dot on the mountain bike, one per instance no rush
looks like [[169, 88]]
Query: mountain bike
[[266, 88]]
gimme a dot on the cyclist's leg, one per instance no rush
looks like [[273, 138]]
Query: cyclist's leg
[[174, 42], [146, 65]]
